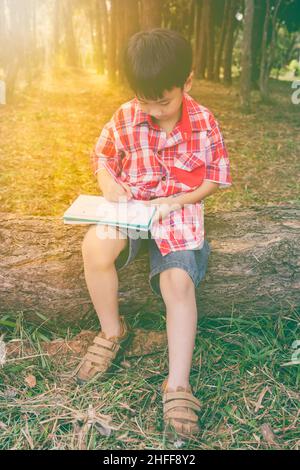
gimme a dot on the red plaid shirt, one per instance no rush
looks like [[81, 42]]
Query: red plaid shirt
[[138, 152]]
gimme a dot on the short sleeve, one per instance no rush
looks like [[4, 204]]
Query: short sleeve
[[217, 161], [105, 154]]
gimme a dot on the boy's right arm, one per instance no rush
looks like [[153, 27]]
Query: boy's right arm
[[105, 154], [112, 190]]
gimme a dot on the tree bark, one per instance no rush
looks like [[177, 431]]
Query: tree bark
[[253, 267], [56, 30], [197, 36], [220, 48], [128, 24], [210, 40], [245, 81], [201, 53], [15, 47], [258, 26], [71, 47], [191, 21], [132, 17], [229, 43], [112, 42], [151, 14], [3, 38], [267, 52], [96, 22], [262, 80]]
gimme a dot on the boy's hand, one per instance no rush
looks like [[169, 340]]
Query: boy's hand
[[165, 205], [113, 191]]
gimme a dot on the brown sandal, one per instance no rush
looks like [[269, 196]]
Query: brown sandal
[[103, 353], [179, 418]]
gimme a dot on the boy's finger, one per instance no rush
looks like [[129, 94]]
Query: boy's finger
[[127, 190]]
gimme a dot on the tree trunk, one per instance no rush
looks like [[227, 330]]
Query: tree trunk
[[121, 37], [197, 36], [201, 58], [229, 42], [253, 267], [105, 24], [245, 85], [132, 17], [210, 39], [262, 76], [221, 42], [14, 48], [56, 30], [112, 42], [258, 26], [268, 53], [151, 14], [98, 35], [191, 20], [3, 36], [72, 53], [128, 21]]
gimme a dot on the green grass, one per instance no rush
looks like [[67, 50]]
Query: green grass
[[46, 139], [235, 359]]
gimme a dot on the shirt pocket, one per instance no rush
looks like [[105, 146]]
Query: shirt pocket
[[189, 168]]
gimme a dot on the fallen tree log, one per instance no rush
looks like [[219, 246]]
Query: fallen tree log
[[253, 267]]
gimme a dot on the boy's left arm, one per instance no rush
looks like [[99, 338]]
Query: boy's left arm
[[173, 203], [206, 189], [217, 173]]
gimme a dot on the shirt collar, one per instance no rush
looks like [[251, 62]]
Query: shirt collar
[[192, 118]]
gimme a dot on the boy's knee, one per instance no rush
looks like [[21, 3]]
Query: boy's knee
[[101, 246], [175, 284]]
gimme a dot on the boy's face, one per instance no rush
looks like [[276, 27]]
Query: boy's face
[[168, 107]]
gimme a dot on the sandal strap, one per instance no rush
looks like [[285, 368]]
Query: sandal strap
[[173, 414], [113, 344], [102, 352], [182, 403], [104, 342], [95, 359], [168, 396]]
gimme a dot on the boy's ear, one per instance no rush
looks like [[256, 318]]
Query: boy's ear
[[189, 82]]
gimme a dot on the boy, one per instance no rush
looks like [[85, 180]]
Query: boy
[[164, 148]]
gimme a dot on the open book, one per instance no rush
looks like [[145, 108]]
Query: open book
[[97, 210]]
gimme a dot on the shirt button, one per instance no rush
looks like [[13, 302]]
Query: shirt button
[[163, 178]]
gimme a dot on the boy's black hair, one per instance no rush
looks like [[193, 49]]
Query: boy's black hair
[[155, 61]]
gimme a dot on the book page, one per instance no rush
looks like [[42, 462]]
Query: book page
[[98, 209]]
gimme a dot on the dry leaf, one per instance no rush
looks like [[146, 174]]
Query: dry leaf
[[126, 364], [30, 380], [91, 418], [2, 351], [260, 399], [268, 434]]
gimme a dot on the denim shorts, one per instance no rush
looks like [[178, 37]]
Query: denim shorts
[[194, 262]]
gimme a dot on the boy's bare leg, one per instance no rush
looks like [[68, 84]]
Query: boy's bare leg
[[178, 292], [100, 248]]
